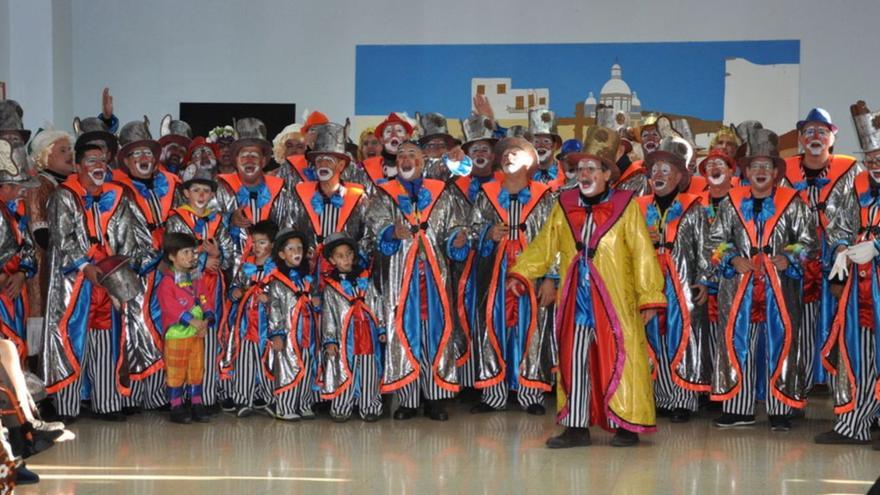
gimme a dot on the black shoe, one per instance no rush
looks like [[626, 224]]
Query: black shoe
[[131, 411], [24, 476], [570, 437], [338, 418], [46, 435], [663, 412], [875, 426], [113, 417], [227, 405], [680, 415], [243, 411], [624, 438], [404, 413], [67, 420], [434, 410], [834, 438], [370, 418], [260, 404], [213, 409], [780, 423], [180, 415], [536, 410], [200, 414], [483, 408], [728, 420]]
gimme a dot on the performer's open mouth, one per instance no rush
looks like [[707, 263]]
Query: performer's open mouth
[[761, 179], [144, 168], [659, 184], [481, 162], [97, 176], [324, 173], [875, 174], [716, 178]]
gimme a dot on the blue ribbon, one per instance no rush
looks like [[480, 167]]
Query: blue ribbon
[[819, 182], [105, 201], [423, 201], [768, 208], [317, 201], [523, 196], [243, 196], [160, 186], [546, 175]]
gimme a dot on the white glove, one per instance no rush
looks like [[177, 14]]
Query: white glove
[[862, 252], [839, 270]]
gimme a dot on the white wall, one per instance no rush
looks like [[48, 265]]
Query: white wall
[[4, 40], [30, 60], [154, 54]]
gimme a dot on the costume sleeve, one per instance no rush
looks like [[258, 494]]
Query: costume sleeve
[[721, 240], [173, 311], [331, 319], [646, 269], [454, 219], [802, 243], [482, 218], [227, 247], [696, 231], [380, 217], [543, 251], [8, 246], [376, 303], [843, 212], [28, 254], [281, 209], [130, 237], [36, 203], [65, 227], [225, 199], [279, 310]]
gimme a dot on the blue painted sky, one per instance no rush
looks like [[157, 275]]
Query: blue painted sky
[[681, 78]]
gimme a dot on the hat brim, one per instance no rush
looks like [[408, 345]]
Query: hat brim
[[451, 142], [328, 248], [743, 164], [207, 182], [381, 127], [24, 133], [466, 146], [176, 139], [238, 144], [310, 155], [573, 158], [556, 137], [801, 123], [153, 145], [109, 140], [676, 160], [701, 167]]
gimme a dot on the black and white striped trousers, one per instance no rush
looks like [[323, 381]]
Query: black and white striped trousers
[[97, 364], [248, 381], [808, 332], [409, 394], [857, 423], [300, 398], [667, 394], [579, 398], [211, 374], [364, 389], [149, 393], [466, 372], [744, 402]]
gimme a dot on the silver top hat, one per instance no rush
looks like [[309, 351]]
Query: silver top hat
[[477, 128], [11, 114], [93, 129], [330, 139], [15, 166], [135, 134], [250, 131], [683, 128], [678, 152], [174, 131], [867, 126], [433, 125], [197, 174], [543, 121], [518, 131], [762, 143]]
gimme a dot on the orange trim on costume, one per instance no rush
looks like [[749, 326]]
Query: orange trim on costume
[[373, 168], [398, 326], [533, 325], [299, 164], [728, 342], [838, 166], [462, 310], [636, 167]]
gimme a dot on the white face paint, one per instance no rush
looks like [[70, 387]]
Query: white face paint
[[98, 176], [408, 174], [201, 203], [145, 168], [393, 135], [875, 174], [481, 162], [543, 154], [324, 174], [716, 181], [516, 161], [587, 189], [571, 174], [815, 147]]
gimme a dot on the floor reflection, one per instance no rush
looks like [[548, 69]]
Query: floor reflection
[[483, 454]]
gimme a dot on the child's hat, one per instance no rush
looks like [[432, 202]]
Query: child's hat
[[335, 240]]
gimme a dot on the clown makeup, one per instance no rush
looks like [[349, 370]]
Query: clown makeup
[[93, 168], [172, 155], [342, 258], [262, 246], [410, 161], [250, 164], [393, 135], [103, 145], [650, 140], [481, 155], [141, 162], [325, 167], [717, 171], [225, 157], [570, 170], [371, 146], [198, 196], [294, 146], [872, 163], [544, 146], [292, 253], [515, 160], [184, 259], [761, 174], [664, 177], [204, 157], [435, 148], [592, 177], [816, 139]]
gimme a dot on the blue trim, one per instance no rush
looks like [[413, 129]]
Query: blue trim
[[75, 265], [456, 253], [388, 245]]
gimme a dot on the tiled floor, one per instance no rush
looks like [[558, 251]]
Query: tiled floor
[[492, 454]]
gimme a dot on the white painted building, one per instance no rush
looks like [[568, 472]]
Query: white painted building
[[617, 94], [767, 93], [507, 102]]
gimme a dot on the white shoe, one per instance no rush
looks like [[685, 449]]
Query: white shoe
[[41, 425]]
